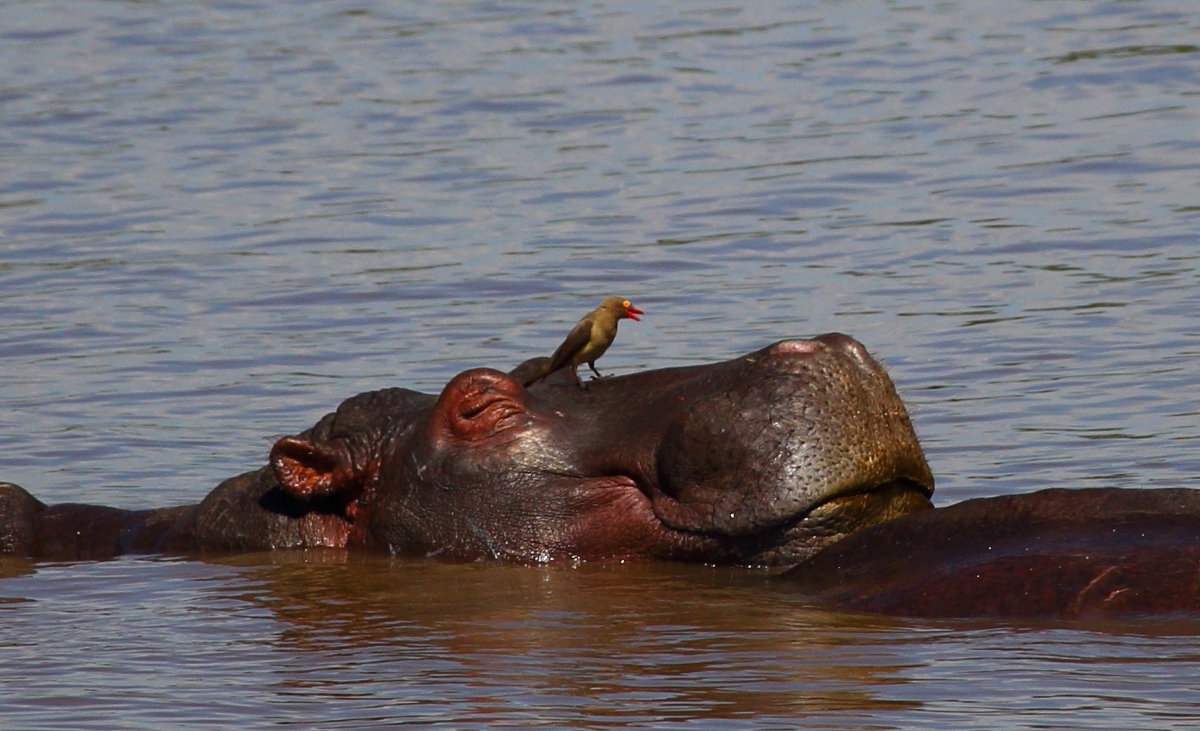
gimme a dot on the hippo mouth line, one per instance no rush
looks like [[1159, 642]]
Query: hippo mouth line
[[890, 499], [801, 534], [855, 499], [835, 518]]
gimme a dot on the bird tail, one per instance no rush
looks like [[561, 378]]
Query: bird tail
[[541, 373]]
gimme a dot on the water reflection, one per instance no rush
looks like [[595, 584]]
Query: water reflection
[[219, 220], [629, 643]]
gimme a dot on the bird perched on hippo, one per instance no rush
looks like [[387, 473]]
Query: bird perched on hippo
[[799, 455], [588, 340]]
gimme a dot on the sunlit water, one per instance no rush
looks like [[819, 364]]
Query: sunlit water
[[217, 220]]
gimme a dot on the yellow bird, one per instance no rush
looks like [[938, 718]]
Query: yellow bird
[[588, 340]]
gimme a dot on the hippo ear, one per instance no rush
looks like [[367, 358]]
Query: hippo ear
[[307, 470], [477, 403]]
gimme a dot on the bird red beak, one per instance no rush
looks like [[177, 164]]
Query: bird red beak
[[632, 313]]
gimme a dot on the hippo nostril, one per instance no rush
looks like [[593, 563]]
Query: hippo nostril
[[841, 342], [802, 347], [851, 347], [829, 343]]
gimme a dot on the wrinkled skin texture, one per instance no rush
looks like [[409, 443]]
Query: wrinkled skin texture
[[760, 460], [799, 454], [1073, 554]]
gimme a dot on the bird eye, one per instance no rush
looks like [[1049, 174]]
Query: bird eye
[[626, 303]]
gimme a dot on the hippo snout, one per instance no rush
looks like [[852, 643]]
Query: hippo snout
[[809, 422]]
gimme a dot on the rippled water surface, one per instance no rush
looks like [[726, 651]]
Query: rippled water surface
[[217, 220]]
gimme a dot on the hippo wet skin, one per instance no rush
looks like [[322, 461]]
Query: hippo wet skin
[[770, 459], [1099, 552], [759, 460]]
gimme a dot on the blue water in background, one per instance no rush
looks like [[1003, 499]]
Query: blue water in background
[[218, 220]]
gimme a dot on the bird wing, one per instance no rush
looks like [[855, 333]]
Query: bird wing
[[572, 344]]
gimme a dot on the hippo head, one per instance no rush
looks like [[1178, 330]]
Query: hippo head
[[759, 460]]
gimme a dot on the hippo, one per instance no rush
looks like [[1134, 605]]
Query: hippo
[[799, 458], [1075, 554], [758, 461]]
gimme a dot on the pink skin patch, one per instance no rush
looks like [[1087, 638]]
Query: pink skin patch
[[798, 346]]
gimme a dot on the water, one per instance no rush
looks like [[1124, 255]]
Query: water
[[218, 220]]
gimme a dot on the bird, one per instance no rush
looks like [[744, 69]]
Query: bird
[[588, 340]]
